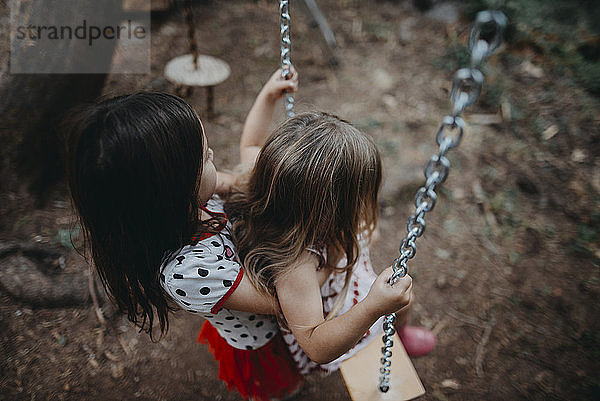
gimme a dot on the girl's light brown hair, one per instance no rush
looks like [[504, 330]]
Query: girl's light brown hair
[[315, 184]]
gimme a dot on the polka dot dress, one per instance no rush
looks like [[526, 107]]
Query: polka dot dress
[[363, 277], [201, 277]]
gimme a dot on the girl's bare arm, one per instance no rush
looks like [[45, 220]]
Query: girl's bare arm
[[325, 340], [258, 121], [246, 298]]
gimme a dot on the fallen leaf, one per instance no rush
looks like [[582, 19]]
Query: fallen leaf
[[550, 132], [578, 156], [532, 70], [117, 370], [112, 357], [450, 383]]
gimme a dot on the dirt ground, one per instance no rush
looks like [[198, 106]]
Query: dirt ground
[[507, 274]]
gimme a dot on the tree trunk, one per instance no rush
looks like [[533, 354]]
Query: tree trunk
[[33, 106]]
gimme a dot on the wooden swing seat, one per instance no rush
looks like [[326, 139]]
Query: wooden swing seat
[[363, 384]]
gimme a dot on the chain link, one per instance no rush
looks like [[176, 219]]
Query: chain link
[[466, 88], [487, 23], [286, 44]]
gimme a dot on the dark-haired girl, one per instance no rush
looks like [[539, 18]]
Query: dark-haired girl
[[143, 182]]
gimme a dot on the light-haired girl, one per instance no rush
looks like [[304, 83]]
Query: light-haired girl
[[302, 225]]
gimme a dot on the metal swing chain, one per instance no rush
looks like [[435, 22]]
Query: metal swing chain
[[466, 88], [286, 43]]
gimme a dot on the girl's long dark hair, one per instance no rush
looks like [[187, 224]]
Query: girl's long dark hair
[[134, 167]]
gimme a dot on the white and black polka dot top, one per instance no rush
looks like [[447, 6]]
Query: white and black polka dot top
[[201, 277]]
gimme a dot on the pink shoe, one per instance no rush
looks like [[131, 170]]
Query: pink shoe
[[417, 340]]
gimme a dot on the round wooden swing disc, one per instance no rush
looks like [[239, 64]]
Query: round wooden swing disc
[[211, 71]]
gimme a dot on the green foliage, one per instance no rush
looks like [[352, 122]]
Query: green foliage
[[380, 30], [590, 341], [514, 257], [457, 56], [369, 124], [62, 340], [493, 93], [588, 73], [66, 237], [388, 146], [439, 395], [505, 202], [20, 222], [587, 237]]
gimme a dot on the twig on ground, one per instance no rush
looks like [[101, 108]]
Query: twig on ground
[[465, 318], [440, 326], [481, 346], [94, 297], [124, 345]]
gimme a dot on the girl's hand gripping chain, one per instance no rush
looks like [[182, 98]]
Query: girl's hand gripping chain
[[277, 86], [385, 298], [256, 128]]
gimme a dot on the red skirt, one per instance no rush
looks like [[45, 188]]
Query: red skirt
[[264, 373]]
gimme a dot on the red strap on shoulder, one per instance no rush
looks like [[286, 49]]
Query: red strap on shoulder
[[215, 309]]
